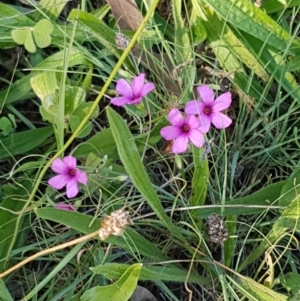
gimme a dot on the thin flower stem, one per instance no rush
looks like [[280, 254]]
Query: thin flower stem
[[77, 131], [50, 250]]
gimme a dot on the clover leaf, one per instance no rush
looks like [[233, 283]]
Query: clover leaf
[[40, 32]]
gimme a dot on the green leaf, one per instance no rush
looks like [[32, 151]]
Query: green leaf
[[246, 16], [101, 144], [52, 8], [154, 273], [4, 293], [291, 282], [6, 126], [229, 50], [132, 162], [29, 43], [200, 178], [78, 114], [23, 142], [119, 291], [259, 291], [41, 33], [273, 6], [19, 35], [11, 204], [198, 31], [264, 197], [291, 189]]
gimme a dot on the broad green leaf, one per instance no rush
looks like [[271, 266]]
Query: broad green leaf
[[41, 40], [44, 84], [101, 144], [132, 162], [291, 282], [78, 114], [4, 293], [23, 142], [118, 291], [246, 16], [130, 241], [265, 197], [260, 292], [154, 273]]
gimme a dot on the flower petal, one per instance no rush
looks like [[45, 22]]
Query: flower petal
[[196, 137], [220, 120], [137, 84], [59, 166], [206, 94], [222, 102], [64, 206], [204, 123], [81, 177], [120, 101], [70, 161], [72, 188], [175, 118], [192, 121], [124, 88], [58, 182], [170, 132], [194, 107], [147, 89], [180, 144]]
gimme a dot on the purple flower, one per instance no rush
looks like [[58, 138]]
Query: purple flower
[[68, 176], [64, 206], [209, 109], [182, 130], [132, 94]]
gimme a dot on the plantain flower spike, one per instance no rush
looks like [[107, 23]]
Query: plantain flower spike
[[114, 224]]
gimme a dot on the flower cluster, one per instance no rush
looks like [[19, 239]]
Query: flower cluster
[[200, 114]]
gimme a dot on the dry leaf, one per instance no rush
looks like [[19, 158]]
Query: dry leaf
[[126, 13]]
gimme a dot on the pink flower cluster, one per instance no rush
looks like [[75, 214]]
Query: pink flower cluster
[[200, 114]]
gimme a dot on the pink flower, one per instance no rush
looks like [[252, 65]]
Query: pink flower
[[68, 176], [209, 109], [132, 94], [64, 206], [182, 130]]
